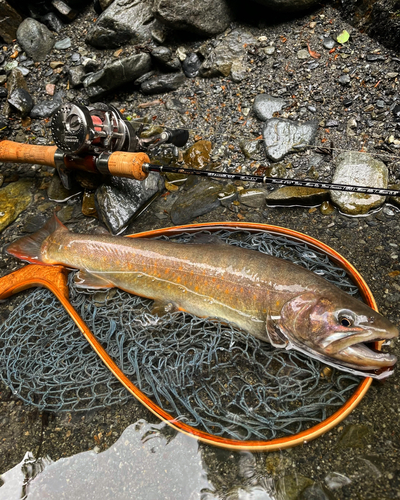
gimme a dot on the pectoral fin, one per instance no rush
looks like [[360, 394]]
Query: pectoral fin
[[84, 279], [275, 335]]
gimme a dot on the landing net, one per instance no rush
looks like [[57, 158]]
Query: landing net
[[210, 376]]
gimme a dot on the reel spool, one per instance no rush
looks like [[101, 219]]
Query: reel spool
[[81, 130]]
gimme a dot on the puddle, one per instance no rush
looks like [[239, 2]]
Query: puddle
[[148, 462]]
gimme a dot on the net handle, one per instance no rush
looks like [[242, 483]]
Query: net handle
[[55, 279]]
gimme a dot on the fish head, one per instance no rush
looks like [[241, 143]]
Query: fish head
[[338, 328]]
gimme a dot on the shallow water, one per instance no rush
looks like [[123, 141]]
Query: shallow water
[[147, 462]]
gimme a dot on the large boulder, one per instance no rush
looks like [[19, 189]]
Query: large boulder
[[288, 5], [122, 22], [10, 20], [208, 17]]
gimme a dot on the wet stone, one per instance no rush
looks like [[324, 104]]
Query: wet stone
[[328, 42], [354, 436], [14, 199], [57, 192], [303, 54], [33, 223], [249, 148], [117, 73], [269, 50], [163, 83], [227, 195], [254, 198], [283, 136], [22, 101], [45, 109], [200, 199], [395, 199], [118, 200], [35, 39], [89, 204], [335, 480], [10, 20], [344, 80], [76, 75], [66, 213], [198, 155], [326, 208], [265, 106], [292, 195], [175, 104], [229, 53], [15, 81], [290, 487], [359, 169], [63, 44], [191, 65]]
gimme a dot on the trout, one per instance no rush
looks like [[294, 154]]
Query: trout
[[273, 299]]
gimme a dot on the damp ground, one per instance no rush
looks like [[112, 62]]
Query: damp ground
[[364, 448]]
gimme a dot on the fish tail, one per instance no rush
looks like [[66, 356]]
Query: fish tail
[[29, 248]]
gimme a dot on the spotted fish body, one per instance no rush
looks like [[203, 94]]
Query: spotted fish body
[[273, 299]]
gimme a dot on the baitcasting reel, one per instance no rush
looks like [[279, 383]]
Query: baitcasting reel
[[80, 130], [97, 139]]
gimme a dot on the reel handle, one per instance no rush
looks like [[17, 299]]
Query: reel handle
[[27, 153]]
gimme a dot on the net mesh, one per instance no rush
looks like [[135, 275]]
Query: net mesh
[[211, 376]]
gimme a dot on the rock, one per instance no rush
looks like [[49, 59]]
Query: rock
[[163, 55], [122, 22], [35, 39], [249, 148], [198, 155], [293, 195], [178, 105], [326, 208], [117, 73], [63, 44], [230, 52], [118, 200], [15, 81], [76, 75], [335, 480], [392, 199], [57, 192], [344, 79], [360, 169], [105, 3], [89, 204], [33, 223], [355, 436], [191, 65], [328, 42], [227, 195], [10, 20], [52, 22], [163, 83], [198, 200], [46, 109], [14, 199], [252, 197], [283, 136], [303, 54], [290, 487], [208, 17], [22, 101], [288, 5], [265, 106]]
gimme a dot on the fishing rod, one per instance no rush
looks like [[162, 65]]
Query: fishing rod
[[148, 167], [99, 140]]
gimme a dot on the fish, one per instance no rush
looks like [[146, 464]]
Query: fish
[[273, 299]]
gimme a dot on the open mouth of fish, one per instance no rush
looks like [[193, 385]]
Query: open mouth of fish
[[359, 357]]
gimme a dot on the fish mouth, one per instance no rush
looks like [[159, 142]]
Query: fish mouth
[[357, 348]]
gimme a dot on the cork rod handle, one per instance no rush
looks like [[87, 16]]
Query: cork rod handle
[[27, 153], [129, 165]]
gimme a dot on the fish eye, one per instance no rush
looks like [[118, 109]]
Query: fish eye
[[345, 321]]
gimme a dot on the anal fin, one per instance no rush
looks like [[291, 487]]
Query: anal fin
[[84, 279], [161, 308]]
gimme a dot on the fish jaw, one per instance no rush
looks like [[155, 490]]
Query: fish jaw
[[336, 327]]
